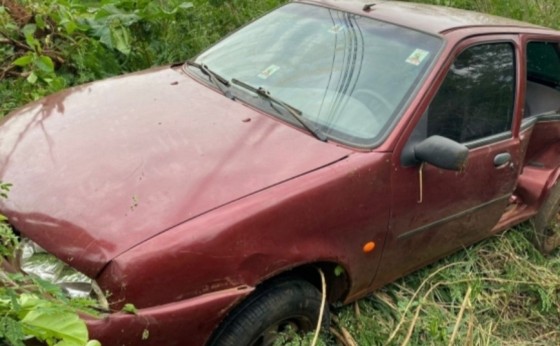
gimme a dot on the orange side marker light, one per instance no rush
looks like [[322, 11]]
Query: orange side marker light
[[369, 247]]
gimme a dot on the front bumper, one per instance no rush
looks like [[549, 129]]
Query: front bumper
[[188, 322]]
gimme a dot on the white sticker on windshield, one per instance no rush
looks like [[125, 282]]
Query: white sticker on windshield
[[269, 71], [417, 57]]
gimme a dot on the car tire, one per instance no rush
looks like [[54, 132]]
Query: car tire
[[272, 309], [547, 222]]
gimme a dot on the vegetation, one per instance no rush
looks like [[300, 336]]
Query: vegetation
[[498, 292], [501, 291], [32, 307], [540, 12], [49, 45]]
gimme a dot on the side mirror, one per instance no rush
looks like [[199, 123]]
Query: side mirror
[[442, 152]]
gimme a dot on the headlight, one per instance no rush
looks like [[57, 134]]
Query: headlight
[[34, 260]]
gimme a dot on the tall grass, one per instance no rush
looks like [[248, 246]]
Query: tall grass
[[499, 292], [153, 42]]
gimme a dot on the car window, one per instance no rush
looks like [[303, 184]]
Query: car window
[[476, 99], [542, 94], [349, 75], [543, 62]]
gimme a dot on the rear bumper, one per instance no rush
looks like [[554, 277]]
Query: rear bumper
[[188, 322]]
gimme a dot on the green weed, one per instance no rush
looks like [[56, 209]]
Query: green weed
[[498, 292], [501, 291]]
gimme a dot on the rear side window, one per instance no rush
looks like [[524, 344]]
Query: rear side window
[[476, 99], [543, 63]]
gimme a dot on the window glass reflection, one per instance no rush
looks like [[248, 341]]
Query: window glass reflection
[[349, 74]]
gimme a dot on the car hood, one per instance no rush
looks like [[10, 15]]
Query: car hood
[[100, 168]]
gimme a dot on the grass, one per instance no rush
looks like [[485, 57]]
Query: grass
[[501, 291], [498, 292], [154, 44], [540, 12]]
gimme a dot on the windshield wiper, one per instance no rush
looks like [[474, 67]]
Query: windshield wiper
[[215, 78], [294, 112]]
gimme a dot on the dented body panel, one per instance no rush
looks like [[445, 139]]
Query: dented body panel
[[252, 245], [164, 324], [160, 160]]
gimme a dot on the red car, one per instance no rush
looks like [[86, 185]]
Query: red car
[[364, 141]]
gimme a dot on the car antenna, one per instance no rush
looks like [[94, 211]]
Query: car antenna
[[367, 7]]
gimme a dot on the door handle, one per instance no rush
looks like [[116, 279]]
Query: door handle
[[502, 159]]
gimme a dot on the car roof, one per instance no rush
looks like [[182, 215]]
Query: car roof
[[428, 18]]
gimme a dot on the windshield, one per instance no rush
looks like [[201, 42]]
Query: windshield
[[348, 75]]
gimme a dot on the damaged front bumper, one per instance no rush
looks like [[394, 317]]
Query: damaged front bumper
[[188, 322]]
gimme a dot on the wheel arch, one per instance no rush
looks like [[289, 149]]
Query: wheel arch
[[279, 301], [336, 278]]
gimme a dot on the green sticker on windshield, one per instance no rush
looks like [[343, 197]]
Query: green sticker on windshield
[[417, 57], [269, 71]]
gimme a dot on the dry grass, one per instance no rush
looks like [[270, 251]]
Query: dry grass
[[501, 291]]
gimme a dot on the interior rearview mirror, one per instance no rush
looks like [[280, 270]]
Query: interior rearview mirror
[[442, 152]]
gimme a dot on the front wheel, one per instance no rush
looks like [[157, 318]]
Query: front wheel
[[547, 222], [287, 306]]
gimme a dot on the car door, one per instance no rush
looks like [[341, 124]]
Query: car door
[[437, 211]]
